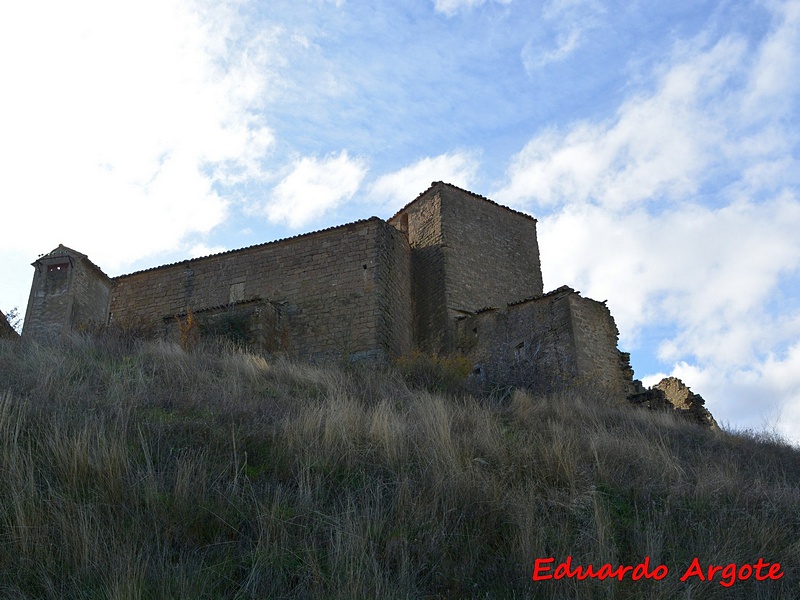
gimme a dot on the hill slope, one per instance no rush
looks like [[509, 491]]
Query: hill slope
[[141, 471]]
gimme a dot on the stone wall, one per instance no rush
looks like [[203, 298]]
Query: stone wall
[[596, 336], [491, 252], [68, 292], [421, 221], [332, 292], [393, 275], [6, 330], [545, 342], [529, 342]]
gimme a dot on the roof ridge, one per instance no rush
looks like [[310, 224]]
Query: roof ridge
[[471, 193], [286, 239]]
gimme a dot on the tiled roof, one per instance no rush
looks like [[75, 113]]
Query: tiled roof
[[473, 194], [294, 237], [62, 250]]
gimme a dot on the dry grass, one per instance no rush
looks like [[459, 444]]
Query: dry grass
[[143, 471]]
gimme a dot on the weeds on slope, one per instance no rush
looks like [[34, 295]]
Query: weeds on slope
[[145, 471]]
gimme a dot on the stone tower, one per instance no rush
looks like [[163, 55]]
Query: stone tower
[[467, 253], [69, 292]]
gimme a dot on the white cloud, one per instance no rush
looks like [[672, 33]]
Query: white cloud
[[394, 190], [723, 107], [568, 22], [313, 188], [198, 250], [708, 271], [451, 7], [763, 397], [660, 144], [119, 120], [683, 212]]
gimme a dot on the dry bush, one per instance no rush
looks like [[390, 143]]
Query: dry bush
[[435, 373]]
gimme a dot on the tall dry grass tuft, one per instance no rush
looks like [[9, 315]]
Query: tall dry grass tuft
[[139, 470]]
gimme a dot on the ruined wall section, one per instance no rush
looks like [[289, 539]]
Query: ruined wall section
[[491, 252], [68, 292], [546, 342], [529, 343], [596, 336], [422, 223], [325, 284], [6, 330]]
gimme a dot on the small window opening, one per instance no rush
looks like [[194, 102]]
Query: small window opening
[[60, 267]]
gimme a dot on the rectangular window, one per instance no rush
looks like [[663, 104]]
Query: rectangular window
[[237, 293]]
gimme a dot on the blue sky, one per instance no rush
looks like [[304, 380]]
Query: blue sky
[[658, 145]]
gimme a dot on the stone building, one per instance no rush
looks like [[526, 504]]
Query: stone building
[[6, 330], [451, 272]]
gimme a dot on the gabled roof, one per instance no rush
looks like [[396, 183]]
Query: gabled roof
[[442, 184], [62, 250], [263, 244]]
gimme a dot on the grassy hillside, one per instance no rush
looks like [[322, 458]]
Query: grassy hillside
[[141, 471]]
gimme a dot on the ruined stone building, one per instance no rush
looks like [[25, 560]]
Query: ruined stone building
[[6, 330], [450, 272]]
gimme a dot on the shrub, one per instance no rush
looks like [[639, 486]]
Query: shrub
[[437, 374], [188, 330]]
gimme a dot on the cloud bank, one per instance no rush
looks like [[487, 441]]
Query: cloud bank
[[122, 121], [637, 213]]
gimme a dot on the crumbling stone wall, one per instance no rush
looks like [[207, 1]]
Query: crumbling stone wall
[[68, 292], [6, 330], [596, 336], [671, 394], [528, 342], [340, 291], [467, 253], [545, 342]]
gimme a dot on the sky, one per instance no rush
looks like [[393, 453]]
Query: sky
[[657, 143]]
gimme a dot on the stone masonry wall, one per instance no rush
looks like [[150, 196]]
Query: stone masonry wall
[[91, 290], [547, 341], [529, 343], [596, 337], [395, 316], [421, 221], [491, 252], [329, 286], [68, 291], [49, 304]]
